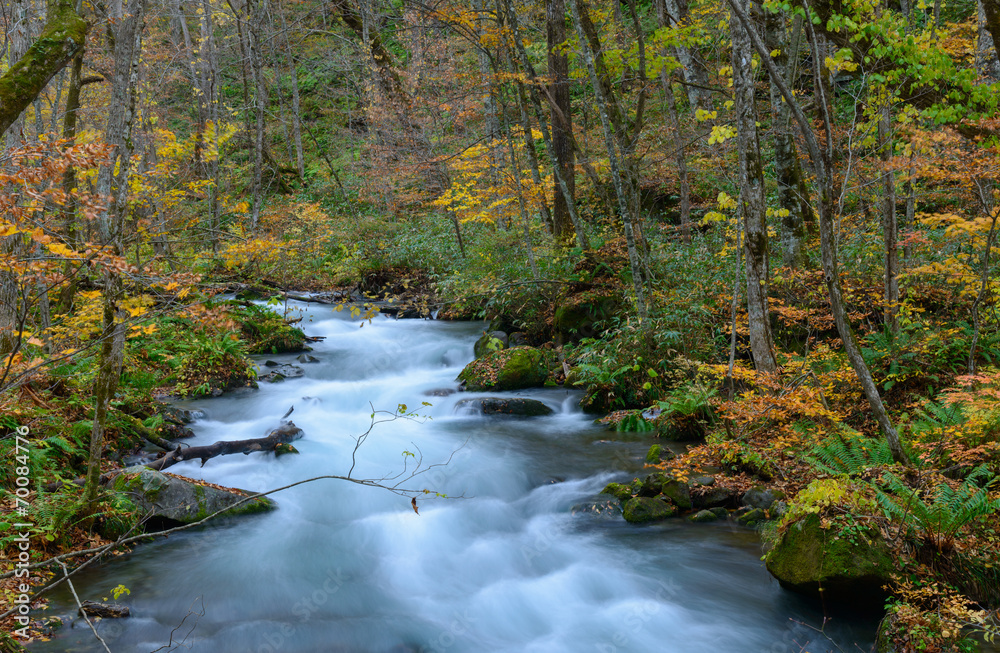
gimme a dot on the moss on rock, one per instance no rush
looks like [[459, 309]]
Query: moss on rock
[[811, 559], [639, 510], [509, 369], [619, 491]]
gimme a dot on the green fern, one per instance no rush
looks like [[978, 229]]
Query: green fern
[[849, 454], [938, 517], [934, 416]]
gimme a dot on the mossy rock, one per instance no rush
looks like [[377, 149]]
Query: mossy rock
[[175, 500], [639, 510], [703, 516], [810, 559], [199, 377], [678, 492], [492, 341], [658, 453], [618, 490], [509, 369], [752, 517]]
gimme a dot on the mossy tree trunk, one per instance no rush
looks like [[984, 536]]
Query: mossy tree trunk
[[752, 207], [562, 144], [63, 35], [619, 142], [793, 193], [113, 182]]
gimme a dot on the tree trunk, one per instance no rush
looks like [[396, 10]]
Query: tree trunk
[[296, 102], [675, 13], [793, 193], [284, 434], [681, 158], [255, 19], [562, 144], [987, 53], [18, 41], [890, 232], [529, 70], [604, 109], [752, 205], [822, 160], [63, 35], [529, 151], [113, 182]]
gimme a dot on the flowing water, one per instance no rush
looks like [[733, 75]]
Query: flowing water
[[511, 561]]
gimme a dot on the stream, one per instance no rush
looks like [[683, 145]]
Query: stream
[[511, 561]]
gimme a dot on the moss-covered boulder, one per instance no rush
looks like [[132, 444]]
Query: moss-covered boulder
[[639, 510], [491, 341], [678, 492], [619, 491], [175, 500], [509, 369], [811, 559], [703, 516]]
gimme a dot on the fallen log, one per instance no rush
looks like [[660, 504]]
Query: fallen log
[[104, 610], [284, 434]]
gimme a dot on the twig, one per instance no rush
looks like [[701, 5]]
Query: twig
[[170, 643], [83, 613]]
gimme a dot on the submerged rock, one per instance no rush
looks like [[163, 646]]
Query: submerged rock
[[282, 372], [810, 559], [510, 369], [601, 506], [639, 510], [515, 406], [172, 498]]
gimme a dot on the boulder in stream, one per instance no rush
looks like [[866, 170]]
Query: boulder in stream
[[173, 499], [811, 559], [639, 510], [514, 406], [281, 372], [508, 369]]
